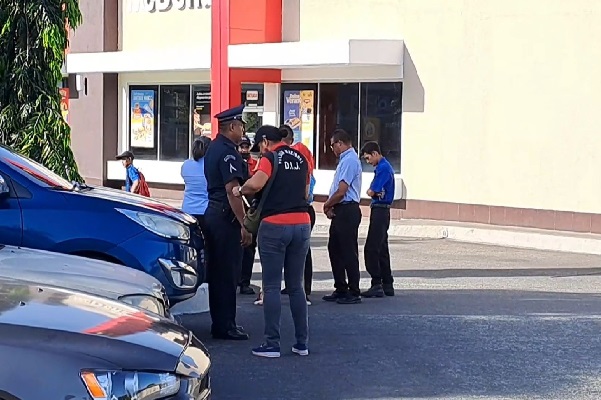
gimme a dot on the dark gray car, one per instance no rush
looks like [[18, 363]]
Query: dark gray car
[[83, 274], [65, 344]]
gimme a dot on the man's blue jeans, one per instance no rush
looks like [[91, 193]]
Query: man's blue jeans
[[284, 248]]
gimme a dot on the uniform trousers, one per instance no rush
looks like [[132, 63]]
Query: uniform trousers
[[224, 260], [376, 253], [343, 247]]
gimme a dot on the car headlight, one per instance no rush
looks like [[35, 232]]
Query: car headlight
[[162, 226], [108, 385], [180, 274], [147, 303]]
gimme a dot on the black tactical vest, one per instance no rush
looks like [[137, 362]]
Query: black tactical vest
[[288, 190]]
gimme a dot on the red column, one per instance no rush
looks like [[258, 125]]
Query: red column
[[220, 11], [234, 22]]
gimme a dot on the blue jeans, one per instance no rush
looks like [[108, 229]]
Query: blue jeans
[[284, 247]]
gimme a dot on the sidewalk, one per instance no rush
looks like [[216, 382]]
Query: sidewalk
[[538, 239]]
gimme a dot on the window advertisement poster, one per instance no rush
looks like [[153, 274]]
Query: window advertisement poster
[[307, 117], [292, 112], [142, 118], [64, 92], [202, 112]]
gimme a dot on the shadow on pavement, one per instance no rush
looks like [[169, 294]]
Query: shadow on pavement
[[469, 273], [420, 344]]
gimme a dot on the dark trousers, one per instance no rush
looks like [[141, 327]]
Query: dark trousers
[[248, 261], [224, 260], [308, 276], [343, 247], [377, 255]]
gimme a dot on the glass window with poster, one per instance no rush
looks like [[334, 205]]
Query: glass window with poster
[[201, 111], [297, 109], [381, 111], [143, 124]]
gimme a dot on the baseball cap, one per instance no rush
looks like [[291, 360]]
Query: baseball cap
[[245, 141], [268, 132], [124, 155]]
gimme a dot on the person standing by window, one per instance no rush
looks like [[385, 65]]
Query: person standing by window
[[283, 237], [196, 195], [248, 258], [132, 176], [381, 191], [342, 207], [304, 150]]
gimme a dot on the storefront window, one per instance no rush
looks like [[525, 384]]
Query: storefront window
[[201, 114], [175, 123], [339, 108], [381, 111], [143, 127], [374, 107]]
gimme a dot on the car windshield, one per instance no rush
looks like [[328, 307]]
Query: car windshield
[[34, 170]]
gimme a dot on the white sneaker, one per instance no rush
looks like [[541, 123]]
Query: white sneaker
[[308, 301], [259, 301]]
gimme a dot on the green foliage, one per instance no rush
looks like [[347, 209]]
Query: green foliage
[[33, 40]]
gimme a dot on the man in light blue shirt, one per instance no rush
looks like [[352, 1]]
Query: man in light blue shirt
[[342, 207]]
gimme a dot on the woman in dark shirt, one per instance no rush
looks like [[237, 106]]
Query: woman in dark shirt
[[283, 237]]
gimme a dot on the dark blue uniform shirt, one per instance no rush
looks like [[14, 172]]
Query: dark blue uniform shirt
[[383, 183], [223, 164]]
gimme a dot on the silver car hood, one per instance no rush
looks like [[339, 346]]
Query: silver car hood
[[77, 273]]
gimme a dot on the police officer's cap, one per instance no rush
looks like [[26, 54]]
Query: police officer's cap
[[231, 114], [268, 132]]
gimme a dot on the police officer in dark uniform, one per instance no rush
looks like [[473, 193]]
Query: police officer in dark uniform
[[225, 236]]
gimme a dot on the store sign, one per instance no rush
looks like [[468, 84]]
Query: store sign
[[252, 97], [152, 6]]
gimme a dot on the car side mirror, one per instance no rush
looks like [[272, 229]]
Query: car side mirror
[[4, 189]]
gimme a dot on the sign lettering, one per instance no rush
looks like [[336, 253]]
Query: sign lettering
[[153, 6]]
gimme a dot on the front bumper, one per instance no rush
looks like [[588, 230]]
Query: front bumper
[[194, 365], [154, 254]]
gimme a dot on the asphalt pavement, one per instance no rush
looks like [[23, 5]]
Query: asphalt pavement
[[468, 322]]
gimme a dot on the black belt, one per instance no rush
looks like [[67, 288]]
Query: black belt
[[379, 205], [346, 203]]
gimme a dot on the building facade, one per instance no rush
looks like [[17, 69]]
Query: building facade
[[484, 108]]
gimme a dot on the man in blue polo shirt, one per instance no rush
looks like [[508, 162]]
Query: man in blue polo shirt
[[342, 207], [381, 191]]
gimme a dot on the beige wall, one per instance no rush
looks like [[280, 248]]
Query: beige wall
[[510, 92], [173, 29]]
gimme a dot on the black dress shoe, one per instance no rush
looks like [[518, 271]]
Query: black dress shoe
[[349, 299], [245, 289], [388, 289], [232, 334], [334, 296], [374, 291]]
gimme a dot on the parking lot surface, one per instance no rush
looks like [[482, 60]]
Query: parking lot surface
[[468, 322]]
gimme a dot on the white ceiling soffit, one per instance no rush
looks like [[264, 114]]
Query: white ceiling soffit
[[351, 52], [124, 61]]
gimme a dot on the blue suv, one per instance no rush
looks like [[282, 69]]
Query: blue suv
[[41, 210]]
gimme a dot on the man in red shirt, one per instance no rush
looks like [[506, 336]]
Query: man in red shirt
[[248, 258], [305, 152]]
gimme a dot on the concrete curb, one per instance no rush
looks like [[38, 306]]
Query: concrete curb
[[520, 238]]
